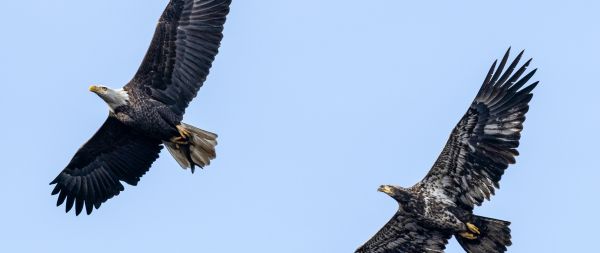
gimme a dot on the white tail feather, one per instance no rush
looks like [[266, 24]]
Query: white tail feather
[[199, 151]]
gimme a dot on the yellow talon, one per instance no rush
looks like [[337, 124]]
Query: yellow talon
[[179, 140], [473, 228], [468, 235], [183, 137], [184, 133]]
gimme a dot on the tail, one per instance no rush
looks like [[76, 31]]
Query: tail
[[198, 151], [494, 236]]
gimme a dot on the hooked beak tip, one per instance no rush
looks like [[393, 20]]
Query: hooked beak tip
[[385, 189]]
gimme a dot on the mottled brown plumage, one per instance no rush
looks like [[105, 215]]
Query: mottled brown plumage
[[468, 170]]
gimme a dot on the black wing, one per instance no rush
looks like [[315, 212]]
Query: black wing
[[185, 43], [115, 153], [484, 142], [402, 234]]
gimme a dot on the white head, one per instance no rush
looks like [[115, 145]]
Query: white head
[[114, 98]]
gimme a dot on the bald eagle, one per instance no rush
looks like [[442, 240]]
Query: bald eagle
[[468, 170], [147, 112]]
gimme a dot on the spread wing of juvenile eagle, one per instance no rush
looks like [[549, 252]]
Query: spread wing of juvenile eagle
[[485, 140], [479, 149], [403, 234], [184, 45]]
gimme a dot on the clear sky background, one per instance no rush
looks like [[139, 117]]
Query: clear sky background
[[316, 104]]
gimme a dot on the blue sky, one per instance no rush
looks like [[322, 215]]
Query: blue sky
[[316, 104]]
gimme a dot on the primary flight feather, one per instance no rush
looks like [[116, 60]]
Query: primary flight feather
[[147, 112]]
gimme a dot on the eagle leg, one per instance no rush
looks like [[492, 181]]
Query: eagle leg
[[472, 233], [183, 138], [179, 140], [473, 228], [183, 132], [468, 235]]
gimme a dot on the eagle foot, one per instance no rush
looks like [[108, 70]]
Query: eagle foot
[[473, 228], [183, 132], [179, 140], [183, 138], [468, 235]]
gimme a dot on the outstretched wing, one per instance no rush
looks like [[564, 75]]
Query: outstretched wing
[[484, 142], [402, 234], [186, 40], [115, 153]]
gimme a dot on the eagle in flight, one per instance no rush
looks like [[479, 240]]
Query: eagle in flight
[[147, 112], [480, 148]]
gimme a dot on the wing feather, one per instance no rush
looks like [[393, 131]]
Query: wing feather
[[403, 234], [185, 43], [115, 153], [485, 141]]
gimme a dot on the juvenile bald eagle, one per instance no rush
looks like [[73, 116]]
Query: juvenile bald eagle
[[479, 149], [147, 112]]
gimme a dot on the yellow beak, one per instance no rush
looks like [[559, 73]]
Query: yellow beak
[[385, 189], [94, 88]]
